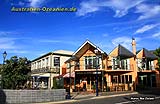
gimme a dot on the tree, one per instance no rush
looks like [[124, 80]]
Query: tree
[[157, 53], [15, 72]]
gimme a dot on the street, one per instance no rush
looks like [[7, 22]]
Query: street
[[127, 99]]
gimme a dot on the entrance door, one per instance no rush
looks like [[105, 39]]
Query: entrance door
[[153, 80], [142, 80]]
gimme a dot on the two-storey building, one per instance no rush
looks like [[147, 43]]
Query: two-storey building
[[121, 69], [146, 65], [46, 67]]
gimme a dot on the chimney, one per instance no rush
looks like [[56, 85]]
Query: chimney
[[133, 46]]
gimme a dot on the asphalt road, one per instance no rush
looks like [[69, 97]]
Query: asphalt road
[[128, 99]]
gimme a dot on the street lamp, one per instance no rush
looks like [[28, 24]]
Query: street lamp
[[96, 52], [69, 66], [4, 56]]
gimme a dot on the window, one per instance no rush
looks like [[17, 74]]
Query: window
[[120, 64], [122, 78], [126, 78], [90, 62], [39, 64], [47, 61], [130, 78], [119, 79], [43, 62], [56, 61], [114, 79]]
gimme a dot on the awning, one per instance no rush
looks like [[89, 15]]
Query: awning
[[58, 76], [68, 75]]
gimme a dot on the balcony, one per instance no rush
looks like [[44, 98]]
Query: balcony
[[150, 68], [89, 68], [41, 70], [121, 68]]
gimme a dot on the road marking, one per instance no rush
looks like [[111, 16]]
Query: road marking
[[127, 102], [158, 97], [57, 102], [100, 97]]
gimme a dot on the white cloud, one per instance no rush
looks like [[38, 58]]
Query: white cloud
[[49, 41], [156, 35], [35, 3], [146, 28], [59, 41], [32, 3], [120, 7], [105, 35], [18, 51], [148, 11], [89, 7], [124, 41], [5, 33], [7, 43]]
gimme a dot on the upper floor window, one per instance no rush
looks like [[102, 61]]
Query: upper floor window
[[90, 62], [32, 65], [39, 64], [120, 63], [47, 61], [57, 61], [35, 65], [43, 62], [145, 64]]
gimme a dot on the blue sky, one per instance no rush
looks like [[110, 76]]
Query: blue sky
[[106, 23]]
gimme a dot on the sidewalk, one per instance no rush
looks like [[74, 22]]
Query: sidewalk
[[86, 96]]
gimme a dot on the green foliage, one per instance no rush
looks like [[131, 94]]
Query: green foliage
[[157, 53], [15, 73]]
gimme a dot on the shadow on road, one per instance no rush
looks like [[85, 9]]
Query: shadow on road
[[2, 97], [153, 91]]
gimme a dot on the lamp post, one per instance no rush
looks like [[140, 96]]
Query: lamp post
[[69, 94], [4, 56], [70, 66], [96, 52]]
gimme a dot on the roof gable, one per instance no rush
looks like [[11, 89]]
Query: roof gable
[[121, 51], [84, 47], [144, 53]]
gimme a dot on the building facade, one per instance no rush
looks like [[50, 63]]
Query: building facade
[[121, 69], [48, 66]]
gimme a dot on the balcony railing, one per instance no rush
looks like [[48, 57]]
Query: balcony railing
[[90, 66], [141, 68], [46, 70], [121, 67], [41, 70]]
